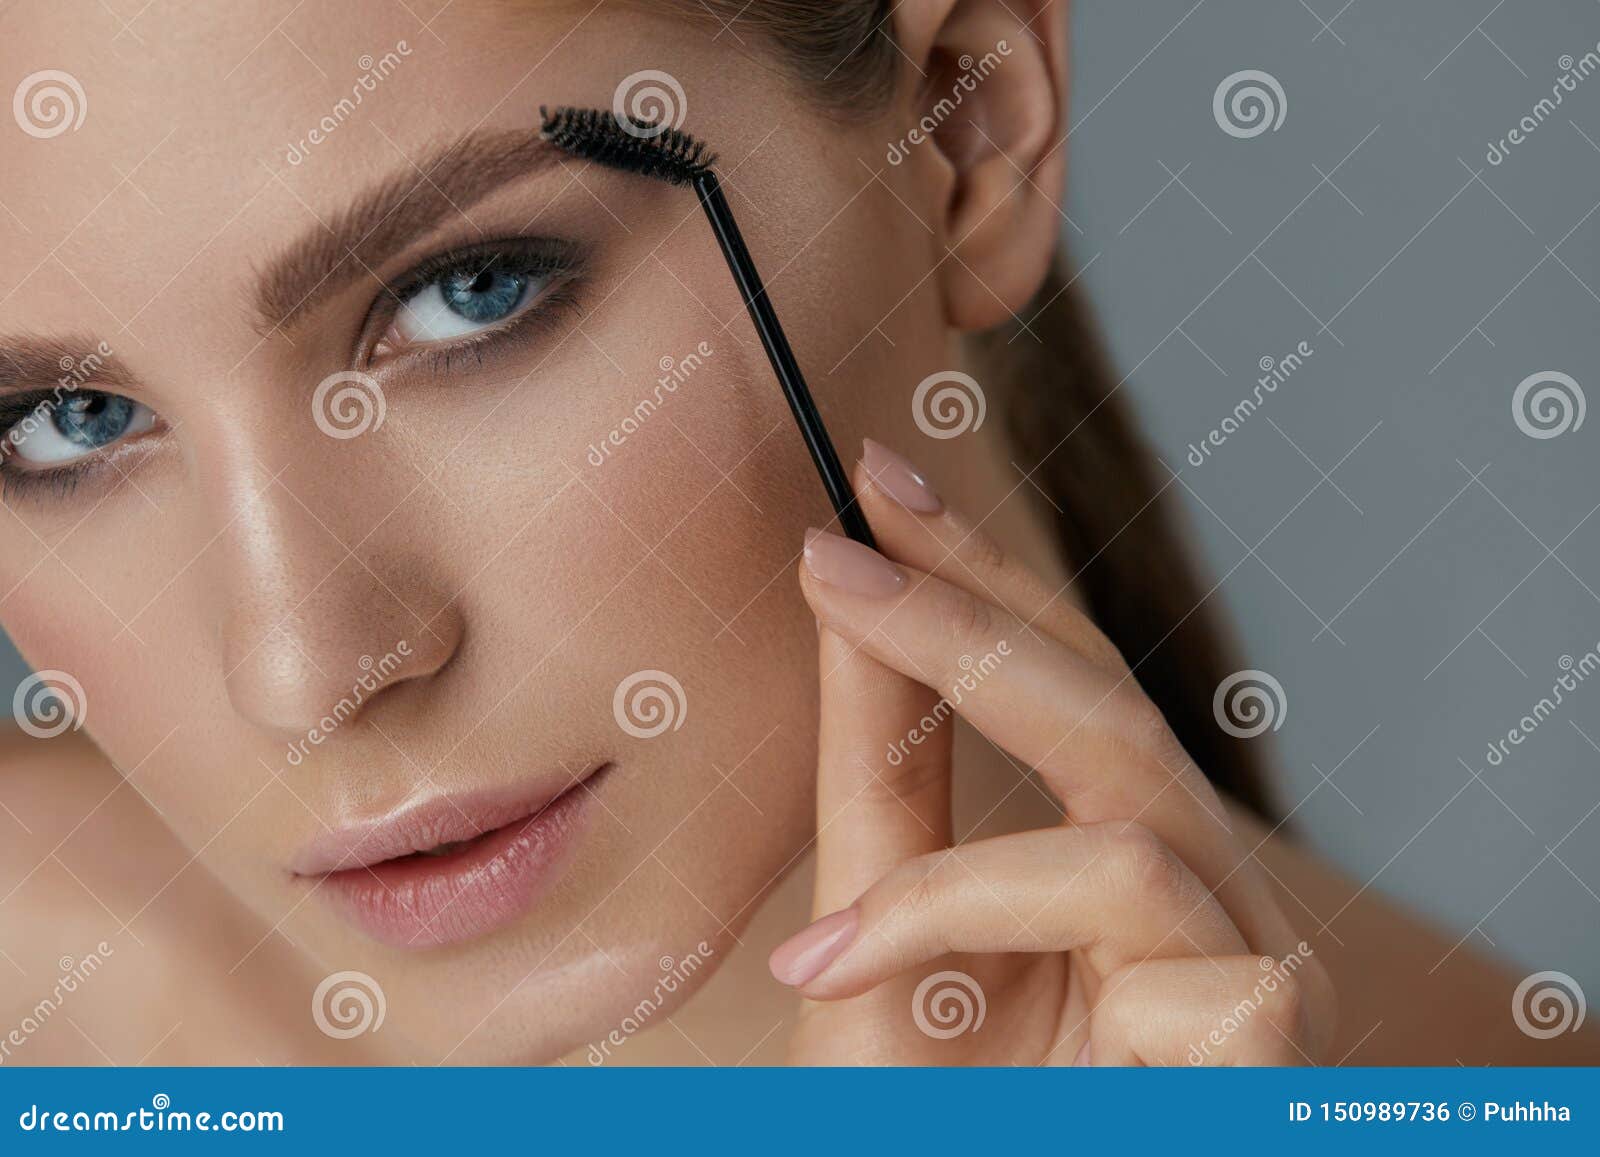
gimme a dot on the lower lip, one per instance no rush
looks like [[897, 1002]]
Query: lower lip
[[425, 901]]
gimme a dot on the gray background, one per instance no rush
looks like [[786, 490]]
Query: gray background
[[1397, 553]]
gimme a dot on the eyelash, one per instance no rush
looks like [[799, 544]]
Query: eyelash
[[561, 263]]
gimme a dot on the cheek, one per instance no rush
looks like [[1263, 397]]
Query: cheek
[[149, 701], [638, 502], [59, 625]]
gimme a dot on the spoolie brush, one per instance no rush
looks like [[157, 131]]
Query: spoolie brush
[[666, 154]]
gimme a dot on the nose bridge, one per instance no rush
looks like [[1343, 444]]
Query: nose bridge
[[311, 611]]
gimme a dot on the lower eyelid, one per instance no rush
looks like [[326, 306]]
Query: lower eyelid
[[29, 482]]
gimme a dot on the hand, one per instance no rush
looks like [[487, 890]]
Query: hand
[[1136, 931]]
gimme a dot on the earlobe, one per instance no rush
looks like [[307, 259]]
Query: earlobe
[[990, 108]]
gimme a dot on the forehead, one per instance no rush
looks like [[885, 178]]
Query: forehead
[[143, 141]]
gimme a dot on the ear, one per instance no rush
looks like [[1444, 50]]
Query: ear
[[983, 132]]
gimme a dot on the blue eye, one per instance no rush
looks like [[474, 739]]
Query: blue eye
[[488, 297], [477, 297], [77, 426], [462, 302]]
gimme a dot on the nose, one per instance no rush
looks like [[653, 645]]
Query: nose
[[315, 629]]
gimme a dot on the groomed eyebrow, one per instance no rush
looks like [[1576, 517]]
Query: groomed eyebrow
[[69, 362], [390, 215]]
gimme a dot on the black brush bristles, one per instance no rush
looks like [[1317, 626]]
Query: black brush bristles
[[621, 142]]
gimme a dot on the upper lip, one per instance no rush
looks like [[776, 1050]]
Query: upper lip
[[423, 824]]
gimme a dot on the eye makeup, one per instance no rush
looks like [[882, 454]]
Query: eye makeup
[[447, 314], [53, 441], [469, 302]]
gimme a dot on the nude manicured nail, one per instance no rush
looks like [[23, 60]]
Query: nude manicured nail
[[804, 955], [899, 479], [1082, 1059], [846, 564]]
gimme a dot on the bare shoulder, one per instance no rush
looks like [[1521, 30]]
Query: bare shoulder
[[56, 797], [1408, 993], [116, 946]]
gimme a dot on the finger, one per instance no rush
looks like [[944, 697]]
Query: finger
[[1034, 696], [1113, 891], [1099, 743], [913, 525], [1242, 1010], [883, 772]]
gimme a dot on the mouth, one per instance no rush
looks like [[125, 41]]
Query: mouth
[[451, 867]]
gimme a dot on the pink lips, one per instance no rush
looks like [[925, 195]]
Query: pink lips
[[512, 849]]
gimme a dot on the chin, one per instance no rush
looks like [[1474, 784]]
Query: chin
[[504, 1005]]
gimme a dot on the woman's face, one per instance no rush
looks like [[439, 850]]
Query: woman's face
[[323, 623]]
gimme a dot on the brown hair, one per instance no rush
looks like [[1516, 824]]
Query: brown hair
[[1071, 430]]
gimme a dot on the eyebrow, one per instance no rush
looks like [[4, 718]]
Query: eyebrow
[[72, 362], [390, 215]]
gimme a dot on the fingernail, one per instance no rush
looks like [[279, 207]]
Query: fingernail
[[899, 479], [1082, 1059], [804, 955], [848, 565]]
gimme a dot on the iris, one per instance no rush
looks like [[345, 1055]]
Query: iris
[[483, 297], [93, 420]]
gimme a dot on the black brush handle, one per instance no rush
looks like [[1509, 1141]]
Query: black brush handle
[[834, 479]]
